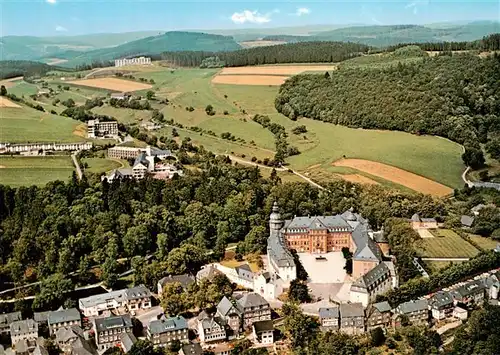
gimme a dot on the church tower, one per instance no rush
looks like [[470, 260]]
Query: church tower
[[275, 222]]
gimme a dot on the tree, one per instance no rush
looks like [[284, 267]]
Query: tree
[[3, 90], [377, 336], [144, 347], [113, 351], [174, 300], [150, 95], [473, 157], [298, 292], [299, 328], [210, 110], [185, 259], [138, 240], [52, 290], [209, 292]]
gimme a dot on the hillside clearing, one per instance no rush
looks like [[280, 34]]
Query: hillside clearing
[[276, 69], [4, 102], [399, 176], [250, 79], [112, 84]]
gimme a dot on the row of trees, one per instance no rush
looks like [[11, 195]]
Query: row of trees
[[487, 43], [456, 97]]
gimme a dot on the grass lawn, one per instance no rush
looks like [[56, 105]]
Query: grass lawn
[[446, 244], [28, 125], [100, 165], [485, 243], [124, 115], [23, 88], [27, 171], [234, 263], [434, 266]]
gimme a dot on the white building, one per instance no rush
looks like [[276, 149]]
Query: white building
[[268, 285], [241, 275], [211, 329], [129, 299], [23, 330], [132, 61], [104, 129], [375, 282], [29, 147], [263, 332]]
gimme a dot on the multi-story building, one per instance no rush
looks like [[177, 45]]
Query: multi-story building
[[441, 305], [253, 308], [378, 315], [63, 318], [375, 282], [163, 331], [472, 293], [241, 275], [329, 318], [119, 152], [131, 299], [108, 331], [97, 129], [184, 280], [417, 312], [352, 318], [71, 338], [29, 147], [6, 319], [132, 61], [231, 315], [268, 285], [263, 332], [23, 330], [211, 328]]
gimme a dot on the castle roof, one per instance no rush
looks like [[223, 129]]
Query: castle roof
[[373, 276]]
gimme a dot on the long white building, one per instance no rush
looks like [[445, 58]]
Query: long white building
[[132, 61], [27, 147]]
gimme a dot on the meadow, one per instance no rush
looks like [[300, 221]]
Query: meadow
[[445, 244], [101, 165], [26, 171]]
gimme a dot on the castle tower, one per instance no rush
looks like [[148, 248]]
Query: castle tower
[[275, 222]]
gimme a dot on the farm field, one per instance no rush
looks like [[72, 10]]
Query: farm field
[[28, 125], [101, 165], [124, 115], [113, 84], [483, 242], [27, 171], [402, 177], [446, 244], [250, 79], [5, 102], [20, 88]]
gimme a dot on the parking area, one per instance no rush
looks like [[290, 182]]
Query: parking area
[[324, 268]]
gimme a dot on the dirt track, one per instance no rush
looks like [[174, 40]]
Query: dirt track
[[112, 84], [4, 102], [396, 175]]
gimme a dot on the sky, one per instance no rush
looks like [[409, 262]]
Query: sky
[[76, 17]]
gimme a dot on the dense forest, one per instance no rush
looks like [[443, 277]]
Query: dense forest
[[488, 43], [306, 52], [457, 97], [13, 68]]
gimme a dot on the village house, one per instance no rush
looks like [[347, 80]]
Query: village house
[[129, 300], [185, 280], [23, 330], [329, 318], [492, 283], [263, 332], [231, 314], [119, 174], [41, 317], [379, 315], [108, 331], [163, 331], [253, 308], [241, 275], [268, 285], [352, 318], [375, 282], [417, 312], [71, 340], [471, 293], [207, 272], [423, 223], [441, 305], [63, 318], [210, 328], [460, 313], [191, 349], [127, 340], [466, 221], [6, 319], [219, 349]]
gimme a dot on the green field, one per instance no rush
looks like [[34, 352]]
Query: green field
[[484, 243], [27, 171], [435, 266], [101, 165], [28, 125], [446, 244]]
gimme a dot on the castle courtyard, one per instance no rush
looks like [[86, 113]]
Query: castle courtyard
[[327, 270]]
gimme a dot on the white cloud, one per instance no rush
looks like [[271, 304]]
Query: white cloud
[[302, 11], [247, 16], [51, 1], [61, 29], [415, 5]]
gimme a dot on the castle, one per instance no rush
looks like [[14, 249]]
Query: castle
[[324, 234]]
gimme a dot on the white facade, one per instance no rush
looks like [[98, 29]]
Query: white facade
[[460, 313], [268, 287], [28, 147], [96, 128], [359, 297], [132, 61], [233, 276]]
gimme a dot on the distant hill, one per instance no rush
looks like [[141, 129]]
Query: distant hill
[[169, 41], [383, 36], [13, 68], [30, 47]]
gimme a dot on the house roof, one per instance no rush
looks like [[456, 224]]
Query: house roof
[[137, 292], [128, 339], [163, 325], [415, 218], [82, 347], [351, 310], [212, 322], [467, 221], [476, 286], [382, 307], [207, 272], [428, 220], [330, 312], [263, 326], [412, 306], [23, 327], [379, 237], [192, 349], [226, 307], [185, 280], [40, 350], [63, 315], [7, 318], [441, 299], [373, 276], [118, 295], [369, 250], [252, 300], [65, 334], [278, 251], [41, 317], [318, 222], [102, 324], [244, 272], [141, 159]]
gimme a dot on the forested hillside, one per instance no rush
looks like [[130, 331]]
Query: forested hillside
[[13, 68], [307, 52], [457, 97], [170, 41]]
